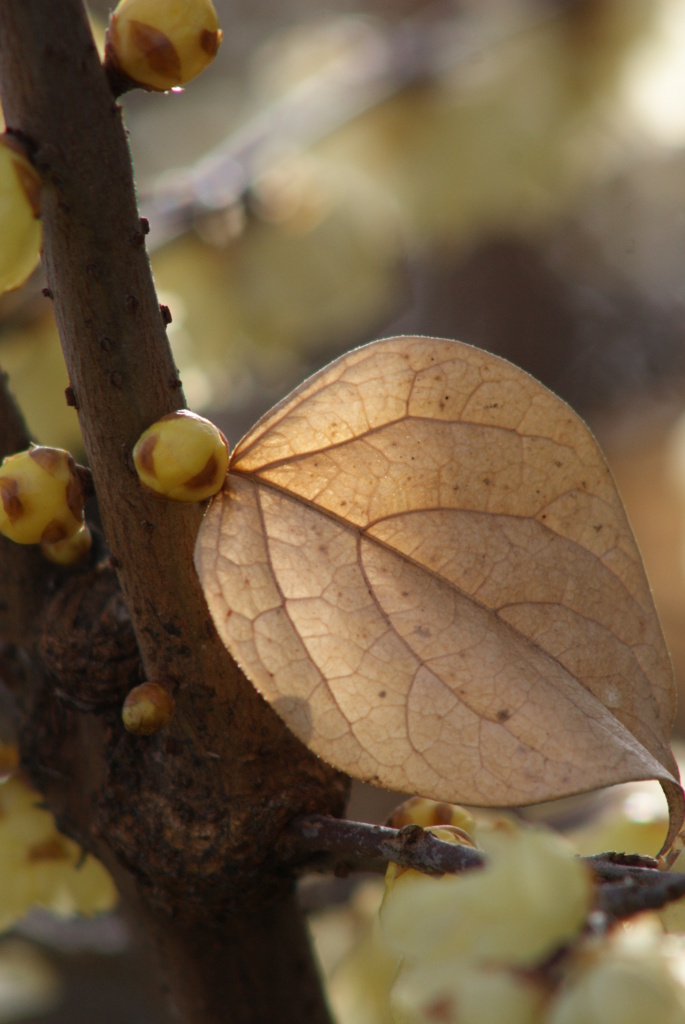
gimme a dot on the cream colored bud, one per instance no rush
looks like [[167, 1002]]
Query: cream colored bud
[[447, 833], [40, 866], [627, 979], [69, 549], [464, 991], [182, 456], [162, 44], [41, 497], [418, 810], [147, 708], [531, 897], [20, 228]]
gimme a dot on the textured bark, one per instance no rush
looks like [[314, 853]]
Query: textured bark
[[187, 819], [244, 957]]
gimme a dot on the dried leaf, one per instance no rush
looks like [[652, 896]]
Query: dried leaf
[[421, 561]]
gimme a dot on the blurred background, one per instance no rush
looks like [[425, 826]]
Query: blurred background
[[507, 172]]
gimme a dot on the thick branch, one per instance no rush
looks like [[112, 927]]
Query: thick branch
[[262, 960], [186, 819], [55, 94], [112, 332]]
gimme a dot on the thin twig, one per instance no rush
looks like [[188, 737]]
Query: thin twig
[[319, 843], [628, 883], [379, 64], [623, 899]]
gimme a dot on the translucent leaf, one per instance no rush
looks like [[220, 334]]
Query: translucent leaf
[[420, 559]]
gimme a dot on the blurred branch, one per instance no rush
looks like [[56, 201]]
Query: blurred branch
[[627, 883], [377, 65], [380, 63], [622, 899], [318, 843]]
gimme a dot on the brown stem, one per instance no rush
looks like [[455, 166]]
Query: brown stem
[[623, 899], [628, 883], [331, 844], [186, 819]]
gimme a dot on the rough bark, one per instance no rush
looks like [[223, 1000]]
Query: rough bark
[[186, 819]]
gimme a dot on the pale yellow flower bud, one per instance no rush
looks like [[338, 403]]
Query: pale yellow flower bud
[[162, 44], [41, 867], [418, 810], [70, 549], [41, 497], [182, 456], [463, 991], [446, 833], [629, 978], [147, 709], [531, 897], [20, 228]]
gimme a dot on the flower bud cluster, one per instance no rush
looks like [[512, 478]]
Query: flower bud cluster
[[41, 502], [162, 44], [41, 867], [629, 977], [509, 941], [20, 227]]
